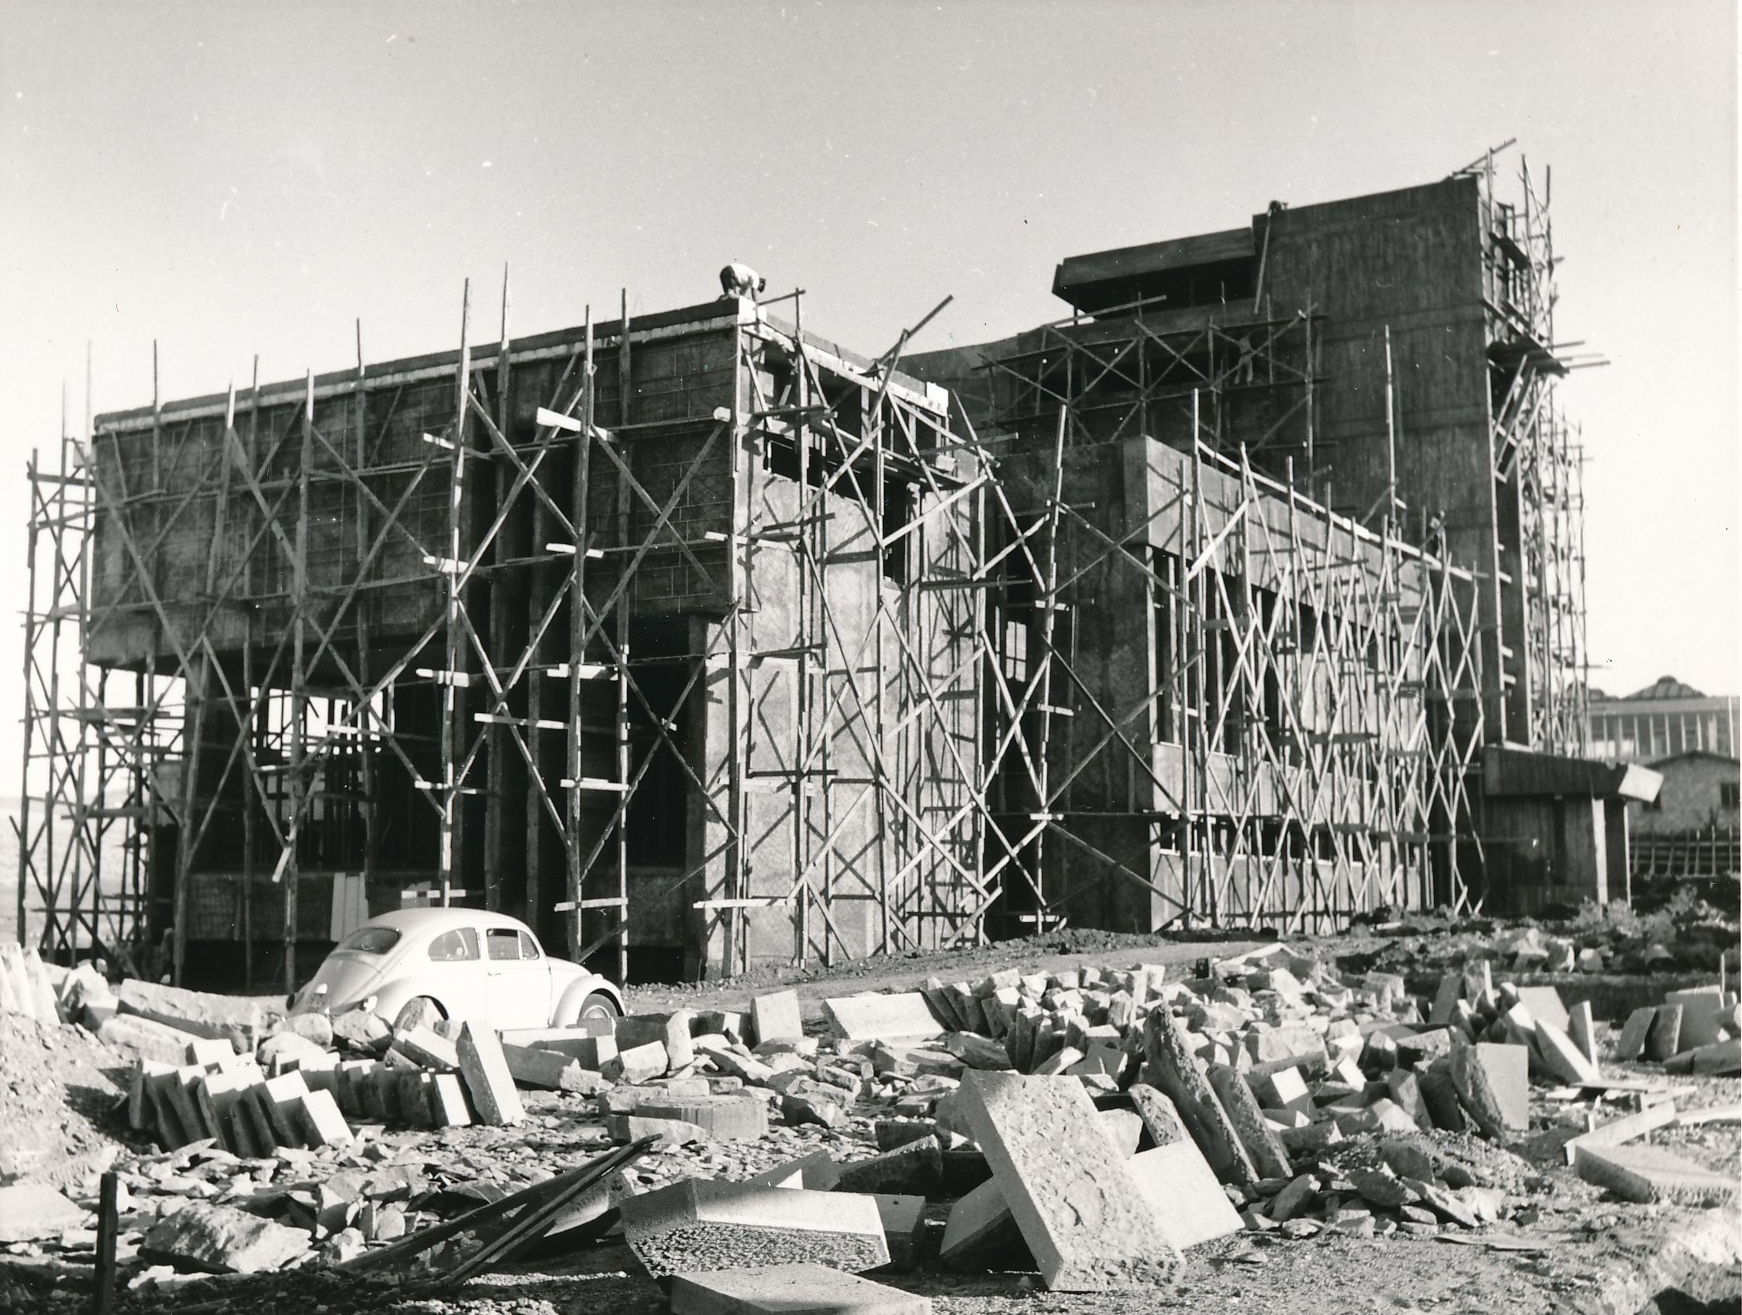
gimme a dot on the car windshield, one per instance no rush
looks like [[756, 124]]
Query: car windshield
[[371, 940]]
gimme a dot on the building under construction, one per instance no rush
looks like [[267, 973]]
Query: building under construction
[[1251, 594]]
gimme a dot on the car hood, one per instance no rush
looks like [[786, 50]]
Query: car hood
[[347, 977]]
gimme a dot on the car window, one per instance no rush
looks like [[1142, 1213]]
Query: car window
[[454, 946], [528, 946], [504, 942], [371, 940]]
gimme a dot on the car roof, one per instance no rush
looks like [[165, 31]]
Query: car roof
[[414, 921]]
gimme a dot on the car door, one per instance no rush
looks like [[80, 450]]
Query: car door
[[518, 979], [454, 973]]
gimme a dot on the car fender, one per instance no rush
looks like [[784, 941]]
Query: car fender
[[393, 996], [568, 1005]]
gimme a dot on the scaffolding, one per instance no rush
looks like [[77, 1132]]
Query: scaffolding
[[1241, 708], [1537, 464], [699, 637]]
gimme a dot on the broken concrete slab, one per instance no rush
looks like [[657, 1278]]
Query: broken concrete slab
[[321, 1122], [1183, 1192], [1645, 1174], [816, 1172], [1261, 1143], [1624, 1129], [671, 1031], [903, 1226], [487, 1078], [914, 1169], [145, 1038], [531, 1066], [1493, 1086], [1083, 1217], [447, 1101], [637, 1064], [700, 1225], [1161, 1121], [1582, 1028], [1173, 1069], [29, 1211], [428, 1049], [223, 1240], [1634, 1031], [881, 1017], [980, 1224], [776, 1017], [803, 1289], [1545, 1004], [1561, 1057], [1664, 1039], [728, 1118], [198, 1012], [1702, 1015]]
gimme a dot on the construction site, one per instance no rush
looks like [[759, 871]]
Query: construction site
[[1250, 594], [1105, 817]]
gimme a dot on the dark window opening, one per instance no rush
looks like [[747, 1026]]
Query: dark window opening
[[1728, 794], [1165, 618], [659, 807]]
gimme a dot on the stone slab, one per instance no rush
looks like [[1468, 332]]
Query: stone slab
[[730, 1118], [671, 1031], [223, 1240], [488, 1080], [1174, 1070], [1161, 1120], [1702, 1015], [817, 1171], [1631, 1044], [1561, 1057], [1624, 1129], [1664, 1039], [146, 1038], [1182, 1190], [322, 1124], [980, 1223], [903, 1225], [776, 1017], [1493, 1085], [696, 1224], [447, 1101], [789, 1290], [1544, 1003], [428, 1049], [1582, 1028], [199, 1012], [914, 1169], [1269, 1159], [1083, 1217], [29, 1211], [1645, 1174], [881, 1017], [533, 1066]]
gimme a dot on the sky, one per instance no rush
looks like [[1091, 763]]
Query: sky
[[231, 180]]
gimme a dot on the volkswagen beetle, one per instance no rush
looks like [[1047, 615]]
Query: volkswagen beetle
[[458, 964]]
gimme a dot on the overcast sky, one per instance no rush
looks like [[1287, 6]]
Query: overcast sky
[[239, 179]]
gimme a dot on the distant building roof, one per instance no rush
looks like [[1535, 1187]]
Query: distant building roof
[[1667, 687], [1694, 754]]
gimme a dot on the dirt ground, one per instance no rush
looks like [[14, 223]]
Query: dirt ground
[[1581, 1252]]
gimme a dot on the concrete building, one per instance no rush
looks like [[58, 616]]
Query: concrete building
[[1662, 720], [1251, 594]]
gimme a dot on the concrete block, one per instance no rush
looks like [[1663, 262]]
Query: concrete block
[[696, 1225], [1720, 1059], [881, 1017], [1645, 1174], [1544, 1003], [427, 1049], [1124, 1129], [322, 1124], [198, 1012], [789, 1290], [728, 1118], [1081, 1214], [412, 1094], [447, 1101], [672, 1031], [976, 1051], [1561, 1057], [1405, 1089], [915, 1169], [1582, 1028], [1181, 1189], [140, 1116], [815, 1172], [1161, 1121], [1616, 1132], [641, 1063], [29, 1211], [145, 1038], [207, 1050], [1631, 1044], [279, 1099], [544, 1069], [776, 1017], [1174, 1070], [903, 1226], [1702, 1015], [488, 1080], [980, 1225], [624, 1128], [222, 1239], [1664, 1039], [1493, 1085], [1268, 1157]]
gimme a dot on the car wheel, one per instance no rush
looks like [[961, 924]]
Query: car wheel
[[419, 1011], [598, 1005]]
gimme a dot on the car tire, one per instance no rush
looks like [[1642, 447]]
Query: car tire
[[419, 1011], [597, 1005]]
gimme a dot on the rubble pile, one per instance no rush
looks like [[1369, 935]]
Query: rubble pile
[[1090, 1124], [1687, 935]]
